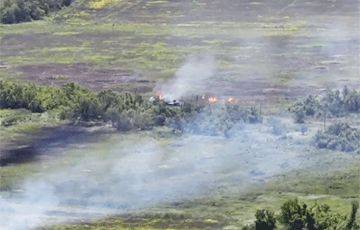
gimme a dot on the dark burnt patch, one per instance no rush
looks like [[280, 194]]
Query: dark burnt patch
[[85, 75], [17, 155], [58, 139]]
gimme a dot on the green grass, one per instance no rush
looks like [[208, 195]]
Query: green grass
[[232, 211], [229, 207], [12, 177], [156, 50], [129, 45], [19, 126], [343, 183]]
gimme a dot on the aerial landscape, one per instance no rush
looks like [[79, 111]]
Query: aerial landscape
[[179, 114]]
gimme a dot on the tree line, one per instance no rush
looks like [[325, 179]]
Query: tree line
[[125, 111], [16, 11]]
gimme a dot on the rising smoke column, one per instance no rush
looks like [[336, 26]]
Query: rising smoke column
[[189, 78]]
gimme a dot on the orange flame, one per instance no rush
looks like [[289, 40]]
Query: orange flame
[[160, 95], [212, 100], [231, 100]]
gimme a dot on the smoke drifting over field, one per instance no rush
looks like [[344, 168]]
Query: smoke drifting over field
[[279, 49], [190, 78], [137, 171]]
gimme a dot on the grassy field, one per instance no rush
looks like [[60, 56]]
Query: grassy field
[[224, 190], [266, 52], [231, 208]]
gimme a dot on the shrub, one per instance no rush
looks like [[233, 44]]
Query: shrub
[[307, 107], [87, 108], [265, 220], [15, 11], [333, 103], [122, 123], [125, 111], [49, 98], [293, 214], [143, 119], [13, 119], [236, 113], [351, 222], [159, 120], [320, 217], [29, 96], [299, 116], [351, 100], [107, 99], [83, 103], [216, 119], [339, 136], [297, 216], [10, 95]]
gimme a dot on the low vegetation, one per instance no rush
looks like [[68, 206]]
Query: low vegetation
[[15, 11], [265, 219], [339, 136], [221, 119], [13, 117], [297, 216], [100, 4], [332, 104], [124, 111]]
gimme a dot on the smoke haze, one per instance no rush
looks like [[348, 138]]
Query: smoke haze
[[135, 171], [190, 78]]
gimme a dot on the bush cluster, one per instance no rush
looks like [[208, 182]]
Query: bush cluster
[[220, 118], [15, 11], [339, 136], [9, 118], [265, 219], [198, 116], [124, 111], [296, 216], [333, 103]]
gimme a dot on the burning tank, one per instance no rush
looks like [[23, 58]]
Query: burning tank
[[168, 101], [200, 100]]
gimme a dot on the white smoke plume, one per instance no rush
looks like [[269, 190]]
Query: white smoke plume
[[190, 78]]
